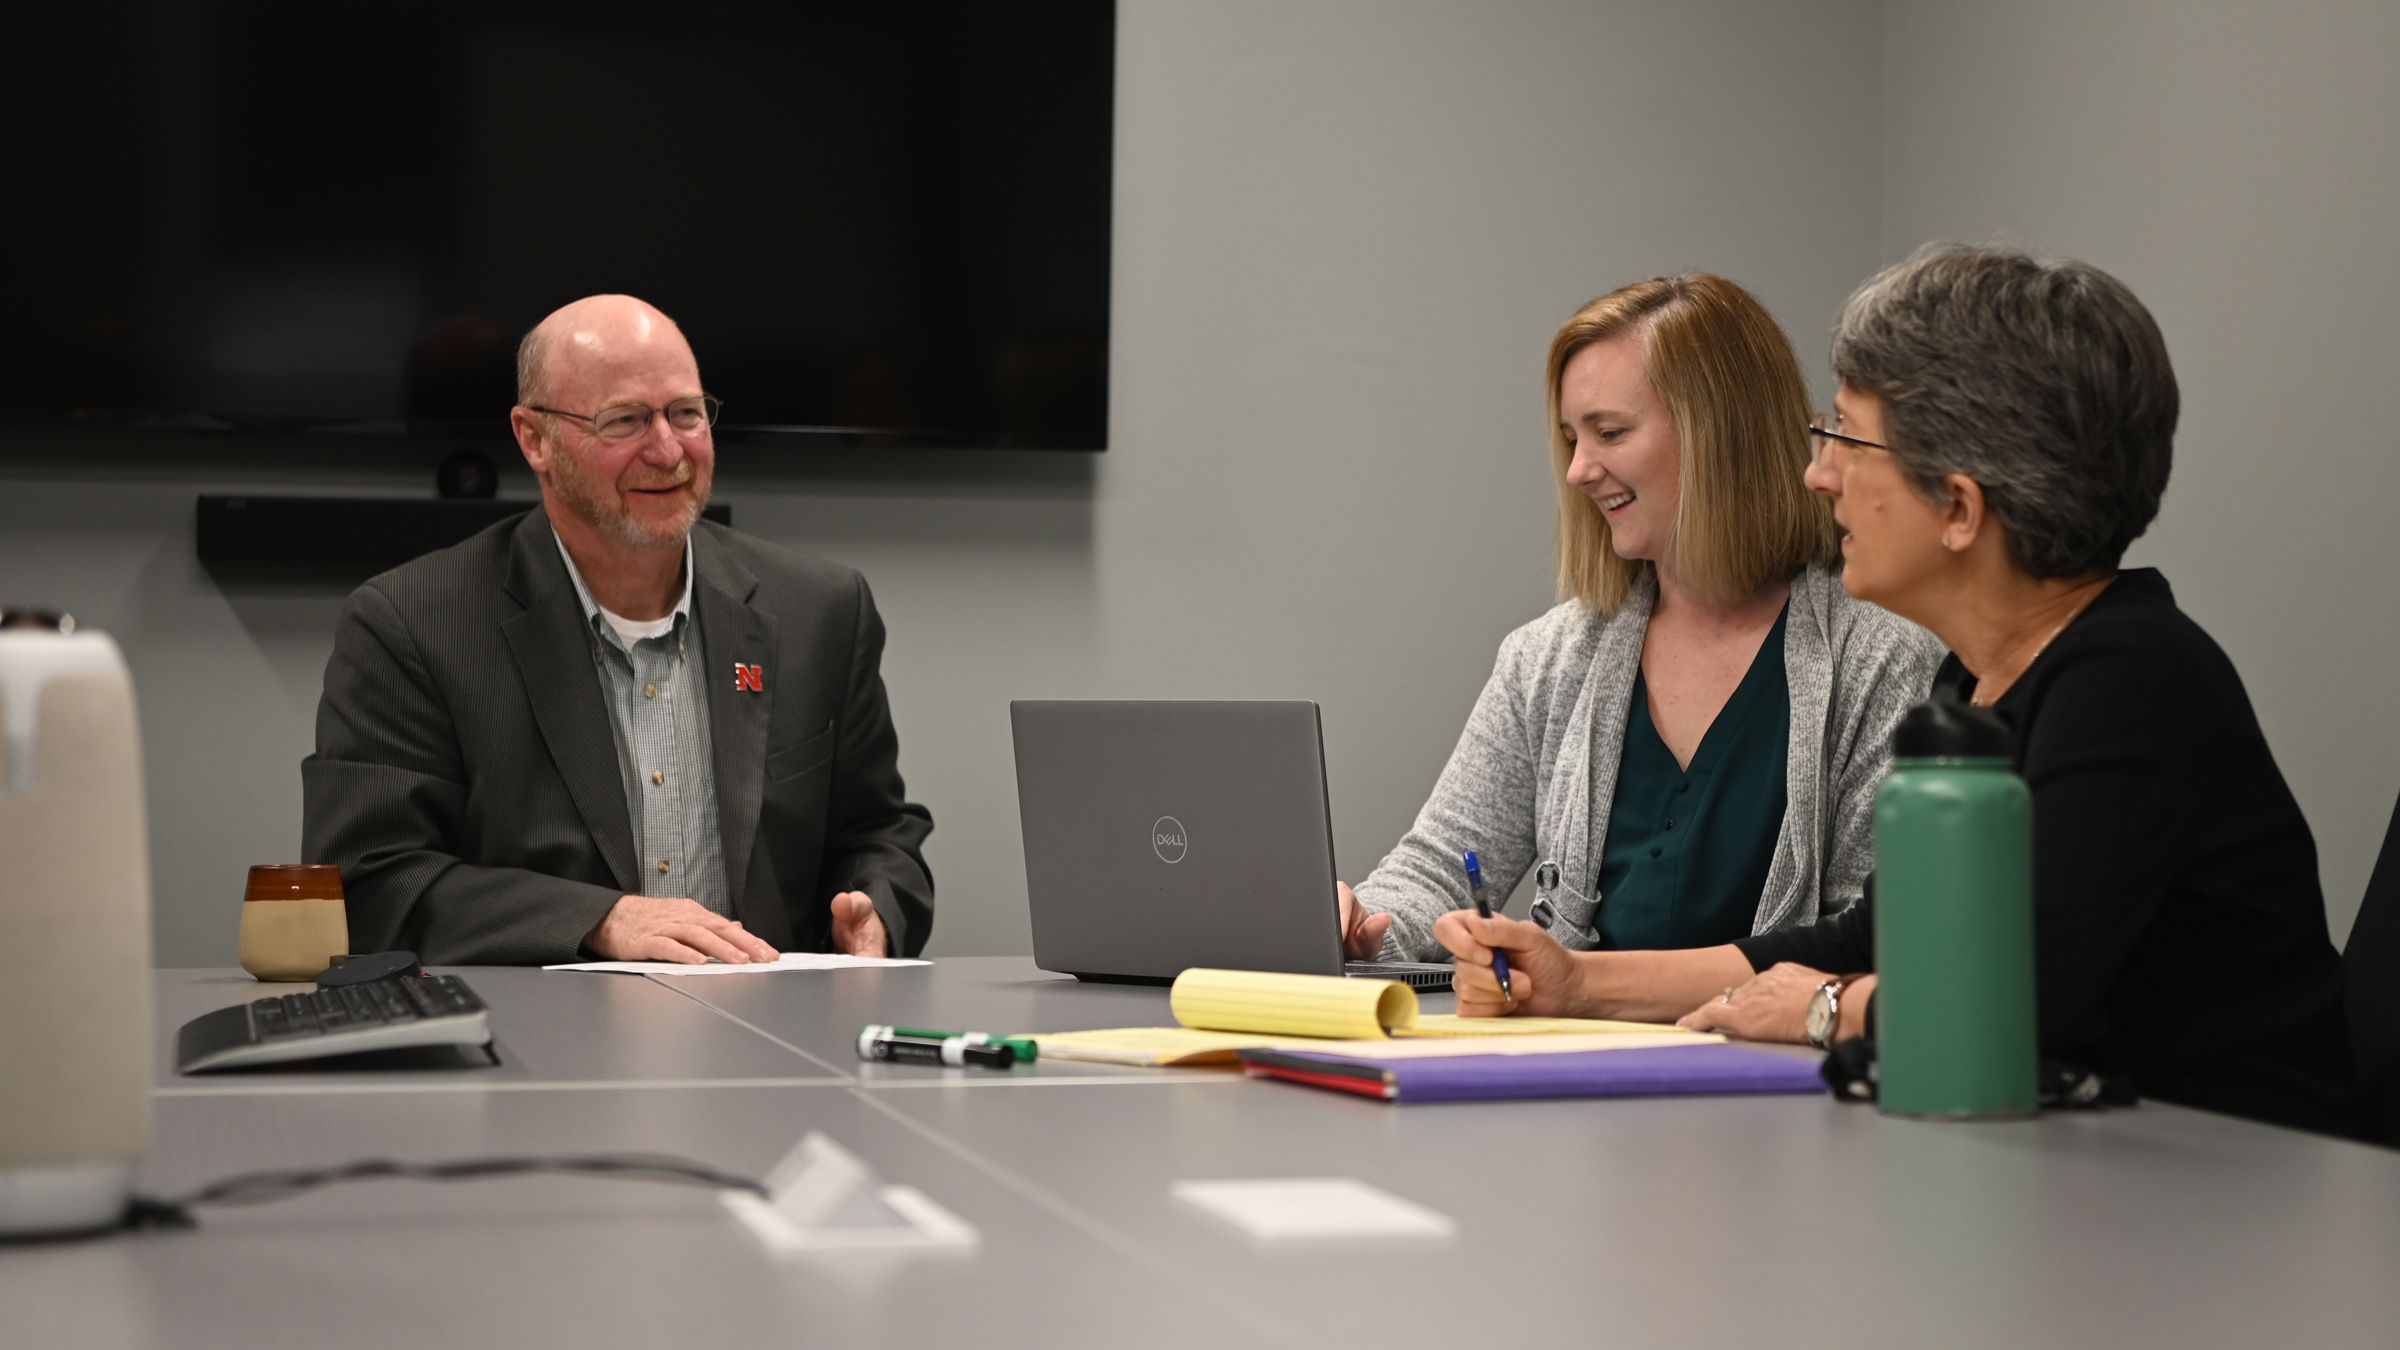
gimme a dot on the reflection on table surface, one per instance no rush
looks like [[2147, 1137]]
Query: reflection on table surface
[[1795, 1221]]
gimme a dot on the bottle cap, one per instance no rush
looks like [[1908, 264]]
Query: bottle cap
[[1943, 727]]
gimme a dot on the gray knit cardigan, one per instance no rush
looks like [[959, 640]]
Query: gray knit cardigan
[[1535, 772]]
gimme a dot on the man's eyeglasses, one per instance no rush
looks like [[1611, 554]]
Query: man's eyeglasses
[[1824, 429], [624, 421]]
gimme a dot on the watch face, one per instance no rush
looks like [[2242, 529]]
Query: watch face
[[1820, 1017]]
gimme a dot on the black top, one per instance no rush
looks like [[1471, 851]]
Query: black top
[[1688, 846], [2179, 932]]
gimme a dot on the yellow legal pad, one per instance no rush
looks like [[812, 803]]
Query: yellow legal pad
[[1292, 1005], [1450, 1024], [1227, 1011], [1161, 1047]]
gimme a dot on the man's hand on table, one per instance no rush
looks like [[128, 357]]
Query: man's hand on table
[[857, 928], [669, 928]]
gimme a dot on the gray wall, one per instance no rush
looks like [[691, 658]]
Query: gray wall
[[1345, 231], [2234, 163]]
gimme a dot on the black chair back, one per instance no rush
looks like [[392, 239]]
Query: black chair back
[[2372, 956]]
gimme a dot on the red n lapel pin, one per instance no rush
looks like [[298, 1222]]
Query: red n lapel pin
[[751, 678]]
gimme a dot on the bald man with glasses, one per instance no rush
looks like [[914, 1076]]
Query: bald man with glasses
[[607, 727]]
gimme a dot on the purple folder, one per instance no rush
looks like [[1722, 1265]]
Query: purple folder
[[1657, 1071]]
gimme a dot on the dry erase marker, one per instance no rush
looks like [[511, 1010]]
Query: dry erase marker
[[1027, 1051], [1483, 906], [890, 1046]]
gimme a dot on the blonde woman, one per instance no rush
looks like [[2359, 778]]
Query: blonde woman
[[1694, 735]]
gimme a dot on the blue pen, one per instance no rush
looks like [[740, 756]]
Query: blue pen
[[1483, 906]]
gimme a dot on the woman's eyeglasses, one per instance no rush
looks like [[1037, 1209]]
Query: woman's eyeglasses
[[1824, 429]]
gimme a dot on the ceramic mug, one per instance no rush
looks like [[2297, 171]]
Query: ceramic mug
[[293, 922]]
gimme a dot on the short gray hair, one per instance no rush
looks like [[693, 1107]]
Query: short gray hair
[[533, 368], [2044, 381]]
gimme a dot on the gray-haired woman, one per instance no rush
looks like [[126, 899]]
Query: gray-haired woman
[[2004, 430]]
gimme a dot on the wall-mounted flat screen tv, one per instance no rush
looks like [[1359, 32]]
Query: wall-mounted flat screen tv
[[879, 221]]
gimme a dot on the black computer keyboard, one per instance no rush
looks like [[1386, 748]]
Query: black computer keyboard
[[1426, 975], [383, 1015]]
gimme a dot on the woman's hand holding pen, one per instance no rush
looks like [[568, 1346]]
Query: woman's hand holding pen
[[1543, 975]]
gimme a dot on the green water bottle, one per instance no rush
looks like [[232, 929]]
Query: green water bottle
[[1954, 1002]]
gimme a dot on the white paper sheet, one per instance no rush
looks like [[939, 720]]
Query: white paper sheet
[[1314, 1209], [788, 961]]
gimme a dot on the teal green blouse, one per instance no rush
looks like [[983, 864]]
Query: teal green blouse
[[1687, 849]]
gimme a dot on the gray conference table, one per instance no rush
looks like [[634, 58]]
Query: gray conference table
[[1789, 1221]]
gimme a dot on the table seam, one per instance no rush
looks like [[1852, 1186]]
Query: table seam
[[753, 1027], [1092, 1226]]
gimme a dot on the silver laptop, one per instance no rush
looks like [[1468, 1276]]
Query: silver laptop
[[1161, 836]]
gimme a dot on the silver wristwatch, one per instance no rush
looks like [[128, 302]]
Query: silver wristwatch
[[1825, 1011]]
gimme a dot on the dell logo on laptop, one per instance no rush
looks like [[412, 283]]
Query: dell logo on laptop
[[1166, 839]]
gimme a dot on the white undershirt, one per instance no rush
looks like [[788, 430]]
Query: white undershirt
[[631, 631]]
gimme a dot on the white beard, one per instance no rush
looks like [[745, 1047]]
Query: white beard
[[597, 504]]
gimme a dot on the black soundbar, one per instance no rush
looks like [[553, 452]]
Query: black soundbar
[[350, 529]]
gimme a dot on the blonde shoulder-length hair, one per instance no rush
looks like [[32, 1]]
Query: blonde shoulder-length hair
[[1741, 409]]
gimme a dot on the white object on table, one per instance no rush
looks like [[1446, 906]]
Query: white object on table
[[826, 1199], [787, 961], [1276, 1209]]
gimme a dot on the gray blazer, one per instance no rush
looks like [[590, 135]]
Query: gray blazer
[[1535, 772], [466, 781]]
